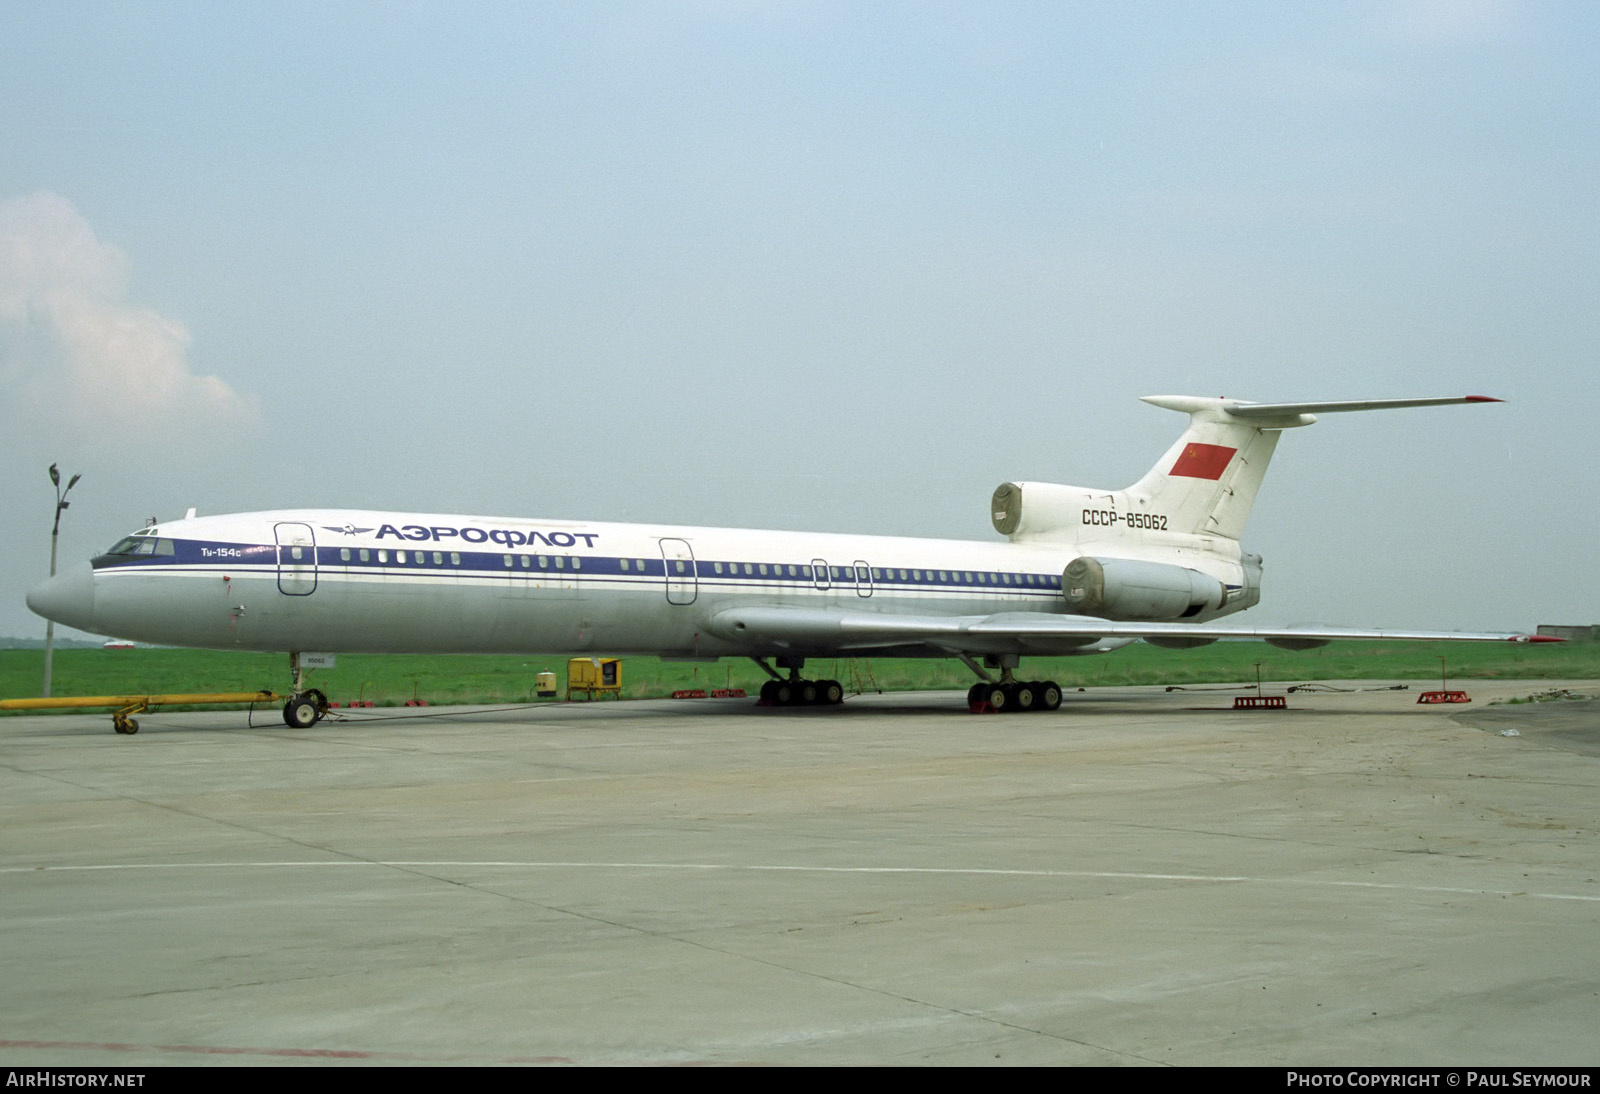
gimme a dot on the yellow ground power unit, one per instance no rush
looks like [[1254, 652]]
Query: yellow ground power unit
[[594, 676]]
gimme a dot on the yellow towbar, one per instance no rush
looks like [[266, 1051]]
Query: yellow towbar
[[128, 705]]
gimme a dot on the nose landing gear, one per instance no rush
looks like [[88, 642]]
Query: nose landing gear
[[306, 706], [305, 710]]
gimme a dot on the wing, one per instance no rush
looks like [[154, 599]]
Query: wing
[[818, 632]]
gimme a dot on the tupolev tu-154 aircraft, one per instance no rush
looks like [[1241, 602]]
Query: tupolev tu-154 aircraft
[[1080, 571]]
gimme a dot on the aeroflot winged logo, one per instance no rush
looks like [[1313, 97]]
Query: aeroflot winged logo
[[1202, 461]]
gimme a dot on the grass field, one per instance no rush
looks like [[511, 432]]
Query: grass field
[[390, 680]]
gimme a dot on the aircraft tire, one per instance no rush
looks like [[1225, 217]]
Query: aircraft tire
[[810, 695], [301, 713], [1049, 695], [768, 692], [998, 696], [1022, 695], [832, 694], [782, 693]]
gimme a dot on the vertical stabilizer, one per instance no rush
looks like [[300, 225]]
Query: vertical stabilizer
[[1203, 486], [1208, 480]]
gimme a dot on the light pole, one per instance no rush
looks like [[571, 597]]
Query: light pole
[[55, 531]]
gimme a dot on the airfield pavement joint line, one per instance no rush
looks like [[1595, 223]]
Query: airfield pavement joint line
[[128, 705]]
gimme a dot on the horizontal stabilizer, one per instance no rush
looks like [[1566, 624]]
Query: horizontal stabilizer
[[1279, 410]]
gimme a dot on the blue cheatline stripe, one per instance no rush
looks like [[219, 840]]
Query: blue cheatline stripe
[[218, 557], [197, 556]]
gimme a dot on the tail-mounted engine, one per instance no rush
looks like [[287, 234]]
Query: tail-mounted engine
[[1050, 508], [1119, 588]]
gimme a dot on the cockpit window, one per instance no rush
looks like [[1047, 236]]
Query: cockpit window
[[139, 546]]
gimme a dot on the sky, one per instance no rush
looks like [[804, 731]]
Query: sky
[[812, 265]]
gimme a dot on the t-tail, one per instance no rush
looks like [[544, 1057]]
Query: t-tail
[[1203, 487]]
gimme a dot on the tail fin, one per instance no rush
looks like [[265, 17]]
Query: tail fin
[[1204, 485], [1208, 480]]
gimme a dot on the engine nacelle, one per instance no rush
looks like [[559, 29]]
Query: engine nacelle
[[1120, 588], [1049, 507]]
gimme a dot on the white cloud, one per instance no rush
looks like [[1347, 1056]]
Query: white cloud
[[74, 351]]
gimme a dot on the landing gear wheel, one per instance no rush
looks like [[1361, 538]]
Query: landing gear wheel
[[808, 693], [1049, 694], [998, 696], [832, 693], [301, 712], [125, 725], [1022, 695], [769, 693], [782, 693]]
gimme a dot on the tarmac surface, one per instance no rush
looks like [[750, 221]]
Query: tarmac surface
[[1144, 877]]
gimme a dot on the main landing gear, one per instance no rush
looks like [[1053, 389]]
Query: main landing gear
[[1008, 695], [794, 691], [306, 706]]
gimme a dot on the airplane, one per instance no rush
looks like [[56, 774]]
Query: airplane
[[1080, 571]]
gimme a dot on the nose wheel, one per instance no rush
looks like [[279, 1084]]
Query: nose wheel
[[306, 706], [305, 710]]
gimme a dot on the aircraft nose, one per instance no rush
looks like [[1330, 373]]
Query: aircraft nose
[[67, 598]]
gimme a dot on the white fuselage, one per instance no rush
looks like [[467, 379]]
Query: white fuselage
[[353, 581]]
